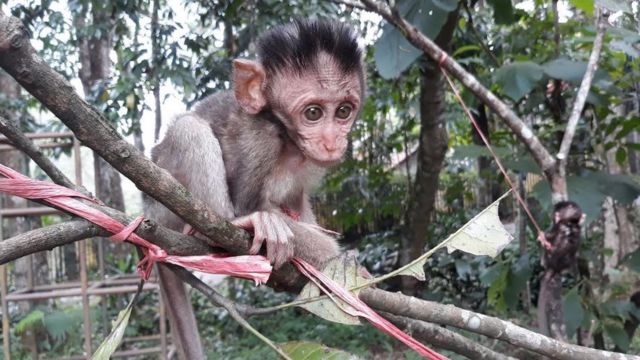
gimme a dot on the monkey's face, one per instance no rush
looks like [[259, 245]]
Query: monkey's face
[[318, 110]]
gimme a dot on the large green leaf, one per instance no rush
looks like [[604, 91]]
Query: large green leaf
[[502, 11], [616, 332], [572, 71], [573, 311], [344, 271], [584, 5], [482, 235], [393, 53], [518, 78], [302, 350]]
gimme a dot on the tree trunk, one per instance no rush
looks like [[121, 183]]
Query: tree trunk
[[431, 152]]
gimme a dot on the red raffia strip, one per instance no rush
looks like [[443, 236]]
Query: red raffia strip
[[361, 309], [254, 267]]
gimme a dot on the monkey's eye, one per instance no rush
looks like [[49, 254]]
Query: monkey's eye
[[344, 111], [313, 113]]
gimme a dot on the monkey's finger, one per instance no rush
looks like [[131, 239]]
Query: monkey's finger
[[244, 222], [282, 241], [272, 235], [259, 233]]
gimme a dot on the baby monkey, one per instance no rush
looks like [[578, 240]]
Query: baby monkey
[[254, 153]]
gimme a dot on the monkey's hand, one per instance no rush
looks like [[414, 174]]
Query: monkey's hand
[[545, 243], [270, 227]]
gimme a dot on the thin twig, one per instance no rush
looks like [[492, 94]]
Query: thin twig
[[583, 92]]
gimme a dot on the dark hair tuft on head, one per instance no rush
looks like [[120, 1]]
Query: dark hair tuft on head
[[296, 46]]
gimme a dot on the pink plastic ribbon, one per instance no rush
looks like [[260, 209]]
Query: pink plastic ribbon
[[362, 310], [254, 267]]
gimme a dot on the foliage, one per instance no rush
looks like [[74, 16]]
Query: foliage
[[509, 47]]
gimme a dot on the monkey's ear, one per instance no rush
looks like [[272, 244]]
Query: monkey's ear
[[248, 85]]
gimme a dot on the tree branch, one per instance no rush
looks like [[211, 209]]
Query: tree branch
[[444, 338], [47, 238], [583, 92], [492, 327], [419, 40]]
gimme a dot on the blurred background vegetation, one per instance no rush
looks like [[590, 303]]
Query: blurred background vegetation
[[414, 173]]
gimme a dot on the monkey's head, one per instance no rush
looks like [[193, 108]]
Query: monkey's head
[[310, 76], [568, 212]]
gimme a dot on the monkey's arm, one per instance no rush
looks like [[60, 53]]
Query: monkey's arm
[[192, 154]]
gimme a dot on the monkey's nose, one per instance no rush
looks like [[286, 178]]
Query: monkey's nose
[[331, 147]]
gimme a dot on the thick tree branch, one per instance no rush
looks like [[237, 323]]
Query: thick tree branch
[[583, 92], [444, 338], [419, 40], [19, 59], [492, 327]]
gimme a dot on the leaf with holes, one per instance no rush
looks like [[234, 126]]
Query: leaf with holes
[[303, 350], [482, 235], [343, 270]]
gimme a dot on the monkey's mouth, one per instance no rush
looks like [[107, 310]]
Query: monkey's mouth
[[328, 162]]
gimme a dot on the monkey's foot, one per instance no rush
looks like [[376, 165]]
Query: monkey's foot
[[270, 227]]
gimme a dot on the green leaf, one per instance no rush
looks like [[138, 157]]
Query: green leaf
[[502, 11], [34, 318], [632, 261], [584, 5], [112, 341], [491, 274], [344, 271], [302, 350], [621, 155], [573, 311], [570, 70], [618, 335], [518, 79], [519, 273], [392, 52], [496, 292]]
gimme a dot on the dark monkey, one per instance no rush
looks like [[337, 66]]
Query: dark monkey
[[560, 254], [564, 236], [254, 153]]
